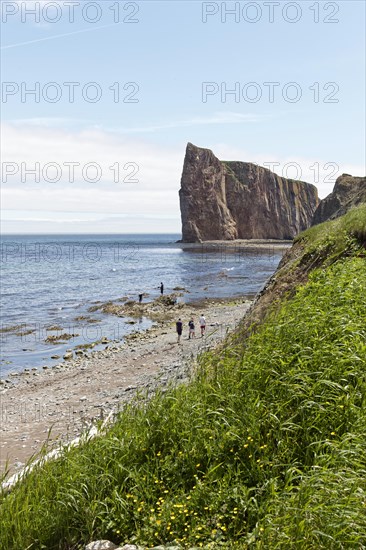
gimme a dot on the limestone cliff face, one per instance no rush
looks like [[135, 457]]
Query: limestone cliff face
[[239, 200], [348, 191]]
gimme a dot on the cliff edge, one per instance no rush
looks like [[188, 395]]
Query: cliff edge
[[238, 200], [349, 191]]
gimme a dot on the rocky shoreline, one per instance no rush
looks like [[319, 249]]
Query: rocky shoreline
[[53, 405]]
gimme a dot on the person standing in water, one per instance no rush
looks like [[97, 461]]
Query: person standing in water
[[202, 325], [179, 328], [161, 288]]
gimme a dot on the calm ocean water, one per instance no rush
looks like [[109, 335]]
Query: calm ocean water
[[52, 281]]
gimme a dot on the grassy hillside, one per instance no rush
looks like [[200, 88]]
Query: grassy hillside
[[264, 449]]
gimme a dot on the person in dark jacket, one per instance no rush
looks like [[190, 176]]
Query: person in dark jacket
[[179, 327]]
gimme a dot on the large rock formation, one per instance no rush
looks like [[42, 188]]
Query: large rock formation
[[239, 200], [348, 191]]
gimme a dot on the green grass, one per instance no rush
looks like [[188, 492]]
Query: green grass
[[327, 242], [265, 448]]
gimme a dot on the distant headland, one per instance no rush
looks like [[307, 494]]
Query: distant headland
[[228, 200]]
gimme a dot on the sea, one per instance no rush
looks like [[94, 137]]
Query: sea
[[53, 285]]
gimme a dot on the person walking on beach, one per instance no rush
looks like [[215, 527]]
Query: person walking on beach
[[191, 329], [161, 288], [179, 327], [202, 325], [140, 298]]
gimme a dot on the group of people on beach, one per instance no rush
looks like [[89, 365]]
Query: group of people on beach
[[191, 328], [179, 323]]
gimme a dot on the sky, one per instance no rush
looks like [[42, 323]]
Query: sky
[[99, 99]]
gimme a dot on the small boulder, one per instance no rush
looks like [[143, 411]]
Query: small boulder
[[101, 545]]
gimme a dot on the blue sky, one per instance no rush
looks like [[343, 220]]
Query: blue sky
[[173, 65]]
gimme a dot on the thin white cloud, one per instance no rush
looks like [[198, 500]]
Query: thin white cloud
[[56, 36], [51, 122], [218, 118], [34, 5]]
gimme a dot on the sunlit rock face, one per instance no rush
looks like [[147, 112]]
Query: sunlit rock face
[[349, 191], [222, 200]]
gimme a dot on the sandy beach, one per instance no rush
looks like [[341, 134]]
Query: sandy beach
[[58, 403]]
